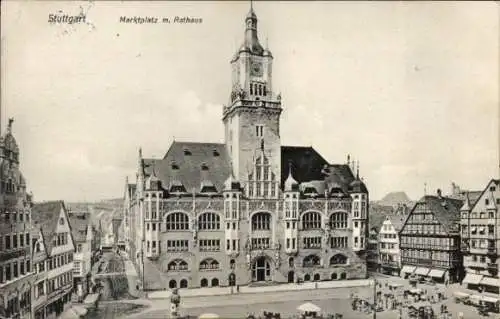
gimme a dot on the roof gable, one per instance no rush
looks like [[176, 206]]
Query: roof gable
[[479, 204], [445, 210], [80, 224]]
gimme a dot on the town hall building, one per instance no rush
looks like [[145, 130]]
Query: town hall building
[[249, 209]]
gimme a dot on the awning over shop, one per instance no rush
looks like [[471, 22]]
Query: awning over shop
[[422, 271], [436, 273], [472, 279], [408, 269], [490, 281]]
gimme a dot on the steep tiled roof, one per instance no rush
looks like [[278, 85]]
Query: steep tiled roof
[[397, 221], [45, 216], [306, 164], [78, 223], [183, 162], [445, 209]]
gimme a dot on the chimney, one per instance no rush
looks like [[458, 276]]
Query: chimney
[[439, 193]]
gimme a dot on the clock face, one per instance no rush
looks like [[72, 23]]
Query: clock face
[[256, 69]]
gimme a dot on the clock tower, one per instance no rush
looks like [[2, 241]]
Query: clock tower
[[252, 117]]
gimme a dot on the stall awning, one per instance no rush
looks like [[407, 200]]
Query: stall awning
[[472, 279], [408, 269], [422, 271], [436, 273], [490, 281]]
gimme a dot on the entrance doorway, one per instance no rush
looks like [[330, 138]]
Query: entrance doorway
[[291, 276], [261, 269]]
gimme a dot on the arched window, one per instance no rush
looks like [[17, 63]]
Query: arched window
[[317, 277], [232, 264], [204, 282], [338, 259], [338, 220], [209, 221], [183, 283], [177, 221], [334, 276], [311, 261], [261, 221], [311, 220], [265, 91], [343, 275], [178, 265], [307, 277], [172, 284], [290, 262], [209, 264], [215, 282]]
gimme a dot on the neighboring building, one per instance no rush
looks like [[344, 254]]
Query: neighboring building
[[40, 268], [52, 221], [388, 239], [430, 240], [81, 230], [116, 222], [458, 193], [480, 224], [15, 238], [249, 209], [372, 250]]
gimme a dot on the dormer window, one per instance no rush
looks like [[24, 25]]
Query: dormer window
[[187, 152], [174, 165], [204, 167], [61, 221], [216, 153]]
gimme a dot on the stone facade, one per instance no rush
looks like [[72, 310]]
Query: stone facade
[[15, 238], [249, 209], [480, 244]]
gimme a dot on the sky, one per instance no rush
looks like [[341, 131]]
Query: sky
[[409, 89]]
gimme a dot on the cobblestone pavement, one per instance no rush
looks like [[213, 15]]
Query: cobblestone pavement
[[330, 300]]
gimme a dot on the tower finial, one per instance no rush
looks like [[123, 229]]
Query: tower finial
[[357, 170], [251, 4], [9, 126], [348, 159], [425, 188]]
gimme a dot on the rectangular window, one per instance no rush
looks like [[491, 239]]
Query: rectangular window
[[7, 272], [234, 244], [14, 241], [293, 243], [7, 242], [16, 270], [259, 130], [228, 244], [288, 243], [154, 227]]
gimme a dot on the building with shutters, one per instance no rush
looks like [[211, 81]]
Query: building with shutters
[[83, 237], [480, 224], [249, 209], [389, 255], [54, 250], [15, 238], [430, 240]]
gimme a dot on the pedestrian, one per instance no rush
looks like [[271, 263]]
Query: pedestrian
[[237, 288]]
